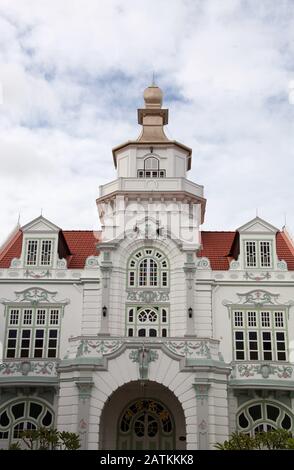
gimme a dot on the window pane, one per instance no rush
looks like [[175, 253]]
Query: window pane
[[32, 249], [238, 318], [279, 319], [250, 254], [153, 272], [151, 163], [11, 343], [14, 317], [39, 343], [27, 317], [41, 317], [143, 273], [54, 317], [25, 343], [46, 252], [251, 318], [265, 319], [265, 254]]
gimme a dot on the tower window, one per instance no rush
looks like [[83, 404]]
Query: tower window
[[151, 169]]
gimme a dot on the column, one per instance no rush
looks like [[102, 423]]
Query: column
[[105, 268], [189, 269], [202, 391], [84, 386]]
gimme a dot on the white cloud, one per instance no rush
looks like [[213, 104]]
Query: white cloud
[[73, 73]]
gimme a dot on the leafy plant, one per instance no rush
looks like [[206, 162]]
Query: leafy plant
[[47, 439], [270, 440]]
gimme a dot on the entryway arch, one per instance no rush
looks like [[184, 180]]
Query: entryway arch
[[143, 415]]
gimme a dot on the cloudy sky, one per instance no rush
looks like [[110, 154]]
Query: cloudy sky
[[72, 74]]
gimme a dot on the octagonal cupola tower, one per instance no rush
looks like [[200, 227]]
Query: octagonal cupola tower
[[152, 170]]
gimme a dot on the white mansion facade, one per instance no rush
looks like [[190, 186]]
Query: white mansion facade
[[150, 334]]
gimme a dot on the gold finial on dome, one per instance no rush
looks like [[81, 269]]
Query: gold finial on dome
[[153, 97]]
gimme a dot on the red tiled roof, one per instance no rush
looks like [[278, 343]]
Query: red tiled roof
[[81, 245], [285, 249], [216, 247], [11, 250]]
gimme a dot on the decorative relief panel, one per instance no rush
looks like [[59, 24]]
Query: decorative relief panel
[[190, 349], [92, 261], [258, 277], [40, 368], [100, 347], [147, 296], [34, 296], [265, 370], [143, 357], [203, 263], [257, 297], [38, 274]]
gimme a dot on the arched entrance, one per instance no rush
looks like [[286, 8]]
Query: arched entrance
[[146, 424], [143, 416]]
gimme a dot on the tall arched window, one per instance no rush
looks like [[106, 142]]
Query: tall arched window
[[151, 169], [148, 267]]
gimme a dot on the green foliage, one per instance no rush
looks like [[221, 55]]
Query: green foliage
[[271, 440], [47, 439], [15, 446]]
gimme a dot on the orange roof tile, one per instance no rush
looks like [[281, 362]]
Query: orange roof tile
[[216, 246]]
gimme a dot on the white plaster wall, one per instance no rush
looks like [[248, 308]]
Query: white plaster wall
[[222, 322]]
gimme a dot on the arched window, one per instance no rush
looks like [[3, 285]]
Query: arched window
[[22, 415], [148, 267], [147, 321], [263, 416], [151, 169]]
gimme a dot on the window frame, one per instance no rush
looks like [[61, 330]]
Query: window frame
[[151, 172], [21, 342], [39, 252], [150, 255], [264, 353], [160, 325], [258, 254]]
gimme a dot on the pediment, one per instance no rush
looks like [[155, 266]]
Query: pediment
[[258, 225], [40, 225]]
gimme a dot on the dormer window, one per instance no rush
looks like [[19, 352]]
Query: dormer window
[[258, 254], [151, 169], [39, 252]]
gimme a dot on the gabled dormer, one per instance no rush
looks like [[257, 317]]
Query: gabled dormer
[[40, 244], [258, 245]]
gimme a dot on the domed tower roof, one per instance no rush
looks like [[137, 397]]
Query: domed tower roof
[[153, 117], [153, 97]]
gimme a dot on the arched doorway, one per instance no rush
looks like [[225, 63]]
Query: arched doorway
[[143, 416], [146, 424]]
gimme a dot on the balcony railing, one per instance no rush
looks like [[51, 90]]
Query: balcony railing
[[147, 184], [189, 348]]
